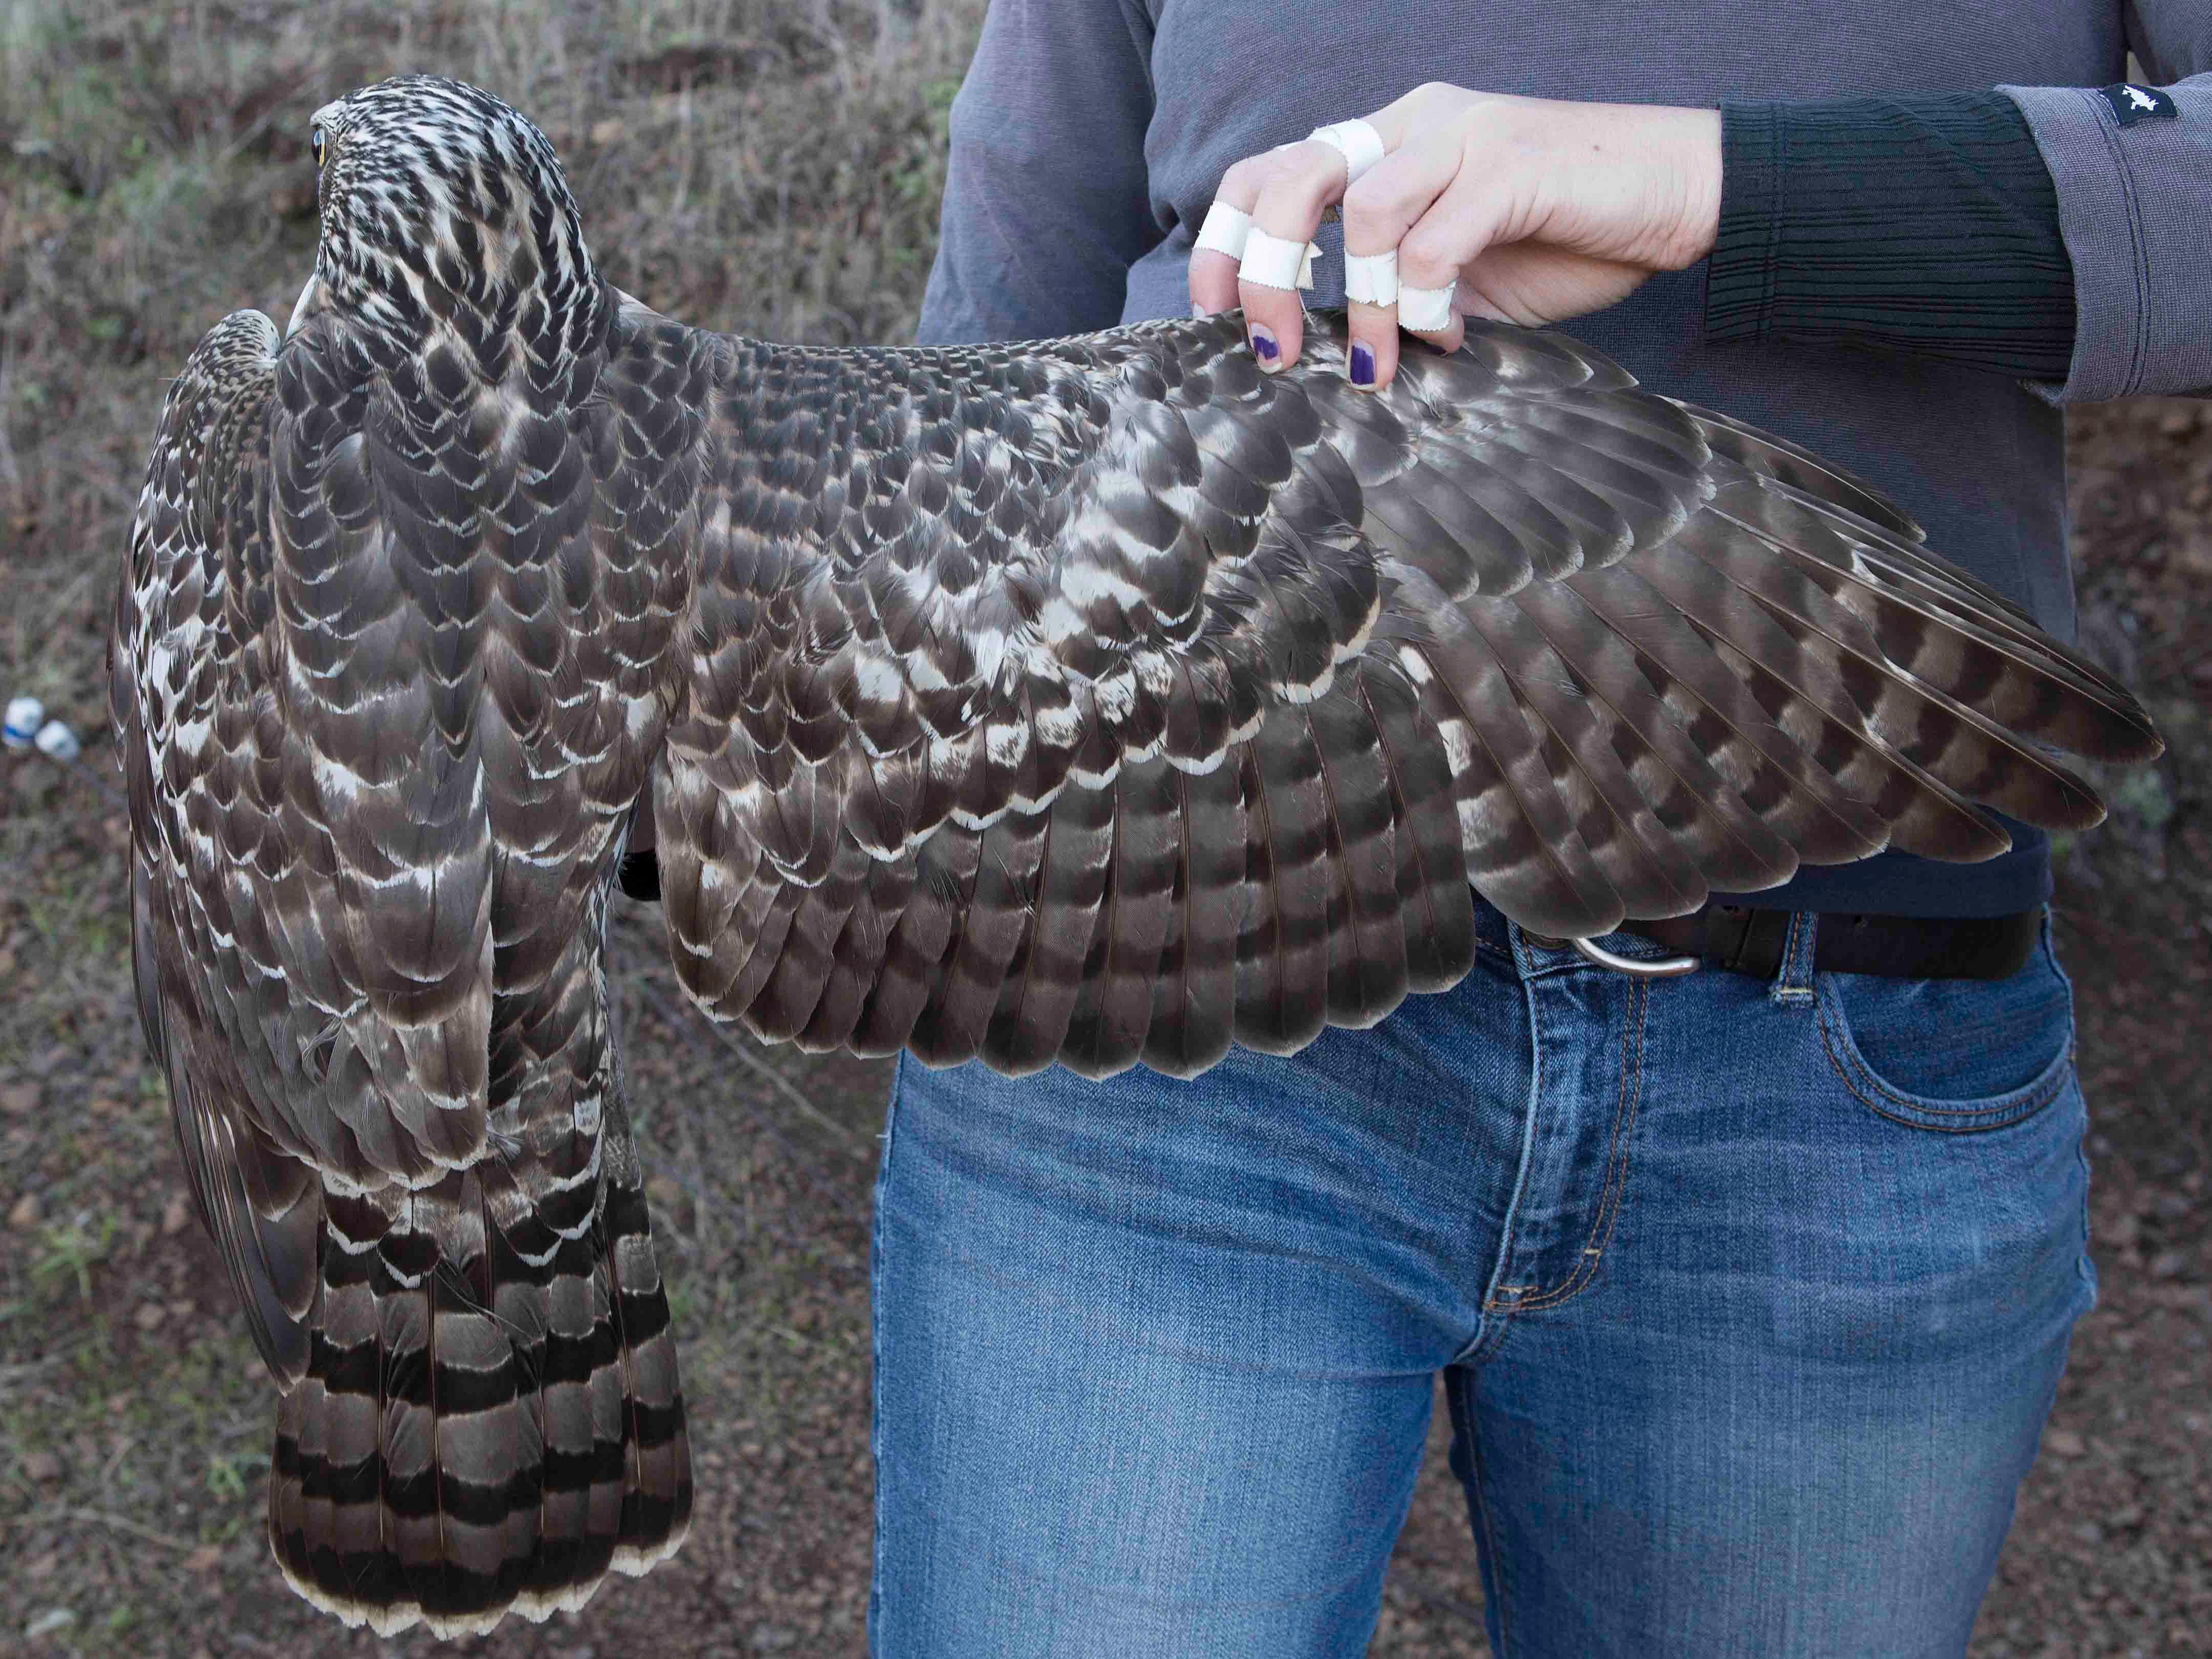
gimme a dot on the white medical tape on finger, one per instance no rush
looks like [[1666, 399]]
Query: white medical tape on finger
[[1359, 144], [1371, 278], [1225, 229], [1277, 262], [1425, 310]]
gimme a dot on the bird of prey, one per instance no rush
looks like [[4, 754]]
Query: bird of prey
[[1101, 702]]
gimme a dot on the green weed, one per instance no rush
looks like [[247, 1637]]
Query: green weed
[[69, 1252]]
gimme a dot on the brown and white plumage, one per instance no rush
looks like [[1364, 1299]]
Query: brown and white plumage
[[1101, 701]]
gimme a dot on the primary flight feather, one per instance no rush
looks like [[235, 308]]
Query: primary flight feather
[[1098, 701]]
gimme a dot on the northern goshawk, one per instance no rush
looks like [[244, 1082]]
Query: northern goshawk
[[1101, 701]]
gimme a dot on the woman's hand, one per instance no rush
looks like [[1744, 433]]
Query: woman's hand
[[1539, 209]]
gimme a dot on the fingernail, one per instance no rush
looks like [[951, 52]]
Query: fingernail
[[1197, 310], [1265, 349], [1362, 366]]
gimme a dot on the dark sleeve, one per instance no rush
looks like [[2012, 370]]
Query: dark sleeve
[[1045, 203], [1921, 225]]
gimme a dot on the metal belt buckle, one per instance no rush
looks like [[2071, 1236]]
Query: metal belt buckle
[[1635, 967]]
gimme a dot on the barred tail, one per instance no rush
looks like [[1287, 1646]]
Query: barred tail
[[490, 1419]]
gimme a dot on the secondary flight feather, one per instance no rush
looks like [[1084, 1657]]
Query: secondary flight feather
[[1102, 702]]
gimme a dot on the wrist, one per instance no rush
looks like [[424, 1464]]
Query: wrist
[[1693, 182]]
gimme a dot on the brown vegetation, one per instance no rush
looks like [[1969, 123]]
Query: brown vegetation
[[774, 169]]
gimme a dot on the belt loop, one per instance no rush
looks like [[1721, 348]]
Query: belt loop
[[1793, 984]]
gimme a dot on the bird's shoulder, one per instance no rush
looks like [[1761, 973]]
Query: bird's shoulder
[[198, 539]]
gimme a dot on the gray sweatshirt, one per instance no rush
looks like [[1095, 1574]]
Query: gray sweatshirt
[[1089, 135]]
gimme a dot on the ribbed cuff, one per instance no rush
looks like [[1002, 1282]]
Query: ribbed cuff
[[1921, 225]]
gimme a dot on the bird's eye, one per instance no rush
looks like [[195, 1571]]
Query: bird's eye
[[315, 143]]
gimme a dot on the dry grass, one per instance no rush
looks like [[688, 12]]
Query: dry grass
[[772, 168]]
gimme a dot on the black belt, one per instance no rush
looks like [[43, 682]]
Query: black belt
[[1741, 940]]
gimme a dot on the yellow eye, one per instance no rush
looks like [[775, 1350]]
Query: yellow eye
[[316, 143]]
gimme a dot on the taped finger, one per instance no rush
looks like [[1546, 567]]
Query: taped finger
[[1425, 310], [1276, 261], [1371, 278], [1225, 230], [1357, 142]]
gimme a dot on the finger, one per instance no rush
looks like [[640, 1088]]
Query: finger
[[1221, 238], [1429, 259], [1359, 142], [1304, 179], [1298, 182], [1214, 265], [1380, 211]]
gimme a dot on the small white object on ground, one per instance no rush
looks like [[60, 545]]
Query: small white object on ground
[[58, 742], [24, 715]]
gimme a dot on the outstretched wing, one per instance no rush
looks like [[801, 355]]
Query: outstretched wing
[[1105, 699]]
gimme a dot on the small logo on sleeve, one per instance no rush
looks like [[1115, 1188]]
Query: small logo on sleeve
[[2131, 103]]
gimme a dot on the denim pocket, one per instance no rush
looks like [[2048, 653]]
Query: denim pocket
[[1954, 1055]]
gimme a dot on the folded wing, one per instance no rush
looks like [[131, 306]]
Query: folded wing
[[388, 672]]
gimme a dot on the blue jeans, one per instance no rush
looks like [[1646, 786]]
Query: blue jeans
[[1750, 1298]]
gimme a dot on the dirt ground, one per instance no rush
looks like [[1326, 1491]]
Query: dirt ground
[[774, 169]]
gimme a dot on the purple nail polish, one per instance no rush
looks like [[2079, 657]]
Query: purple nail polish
[[1264, 346], [1362, 366]]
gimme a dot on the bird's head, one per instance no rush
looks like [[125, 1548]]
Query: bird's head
[[440, 204]]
